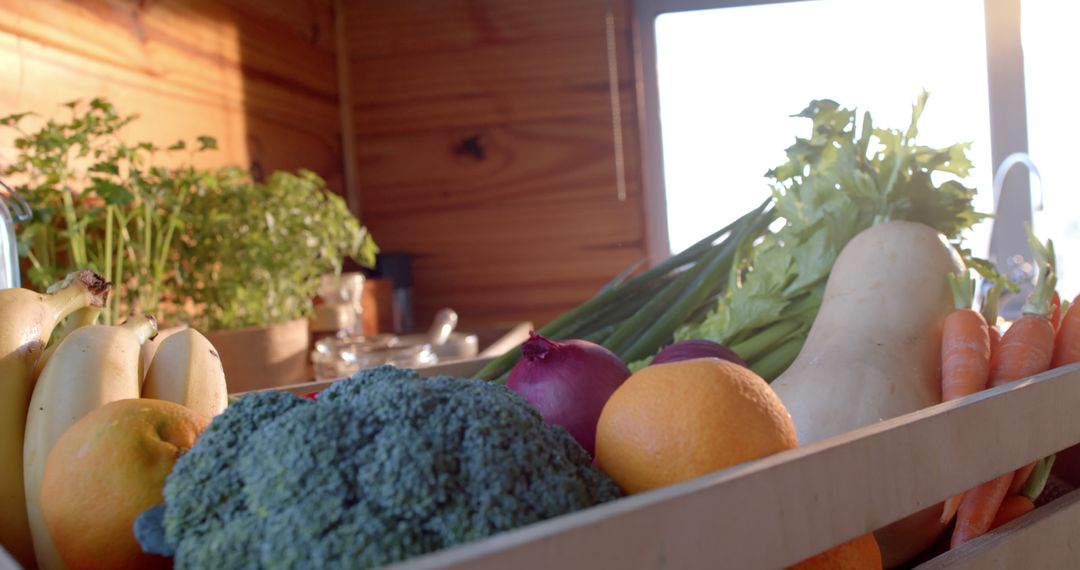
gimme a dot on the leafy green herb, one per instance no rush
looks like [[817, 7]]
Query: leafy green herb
[[252, 254], [836, 183], [98, 203], [209, 247]]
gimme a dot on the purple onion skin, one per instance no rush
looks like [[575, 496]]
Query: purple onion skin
[[568, 382], [697, 348]]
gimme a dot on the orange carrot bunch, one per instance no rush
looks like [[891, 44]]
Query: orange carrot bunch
[[1025, 349], [1067, 343], [965, 356]]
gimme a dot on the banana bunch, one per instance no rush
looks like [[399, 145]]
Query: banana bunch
[[27, 320], [44, 392]]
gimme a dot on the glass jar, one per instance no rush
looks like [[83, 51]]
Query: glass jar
[[335, 358]]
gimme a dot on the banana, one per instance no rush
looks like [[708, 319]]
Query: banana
[[27, 320], [91, 367], [186, 369], [82, 318]]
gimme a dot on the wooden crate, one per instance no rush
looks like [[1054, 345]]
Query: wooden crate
[[779, 510]]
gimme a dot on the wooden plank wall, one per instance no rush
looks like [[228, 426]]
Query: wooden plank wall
[[486, 149], [260, 76]]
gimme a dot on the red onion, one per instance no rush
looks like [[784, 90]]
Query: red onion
[[569, 382], [696, 348]]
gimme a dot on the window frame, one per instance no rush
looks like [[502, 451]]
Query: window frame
[[1008, 120]]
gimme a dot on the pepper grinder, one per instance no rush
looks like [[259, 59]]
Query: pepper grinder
[[398, 268]]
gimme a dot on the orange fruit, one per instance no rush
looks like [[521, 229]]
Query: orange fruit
[[104, 471], [672, 422], [860, 553]]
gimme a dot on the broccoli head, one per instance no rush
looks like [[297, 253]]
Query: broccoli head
[[381, 467]]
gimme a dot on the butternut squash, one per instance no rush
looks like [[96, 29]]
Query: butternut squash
[[873, 351]]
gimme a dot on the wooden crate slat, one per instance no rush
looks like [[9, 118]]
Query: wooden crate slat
[[784, 508], [1044, 538]]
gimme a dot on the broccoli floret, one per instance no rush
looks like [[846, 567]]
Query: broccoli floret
[[150, 531], [381, 467]]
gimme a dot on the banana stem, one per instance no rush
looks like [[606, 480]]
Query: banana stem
[[79, 289], [144, 326], [85, 317]]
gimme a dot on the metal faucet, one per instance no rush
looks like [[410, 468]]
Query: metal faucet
[[1009, 250]]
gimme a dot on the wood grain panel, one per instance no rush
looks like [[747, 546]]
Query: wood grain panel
[[259, 76], [501, 264], [530, 225], [513, 78], [454, 89], [561, 160], [390, 28]]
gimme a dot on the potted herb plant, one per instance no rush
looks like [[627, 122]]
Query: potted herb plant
[[238, 259], [251, 255], [101, 203]]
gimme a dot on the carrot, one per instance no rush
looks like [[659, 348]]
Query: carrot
[[1067, 343], [978, 509], [1013, 507], [1021, 478], [1025, 349], [965, 357], [965, 346], [995, 339]]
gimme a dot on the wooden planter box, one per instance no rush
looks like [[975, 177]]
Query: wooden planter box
[[779, 510]]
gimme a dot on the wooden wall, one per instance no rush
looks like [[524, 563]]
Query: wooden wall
[[486, 148], [258, 75], [483, 128]]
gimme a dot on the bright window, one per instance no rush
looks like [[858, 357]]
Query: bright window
[[1051, 60], [729, 79]]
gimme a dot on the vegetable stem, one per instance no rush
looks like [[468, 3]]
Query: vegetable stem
[[632, 329], [766, 338], [963, 290], [992, 301], [1039, 301], [632, 293], [777, 360], [704, 282], [1037, 480]]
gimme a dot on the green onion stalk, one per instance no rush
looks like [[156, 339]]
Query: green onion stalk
[[635, 316]]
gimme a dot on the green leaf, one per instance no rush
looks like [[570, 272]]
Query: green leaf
[[178, 145], [833, 186], [105, 168], [113, 193], [207, 143], [13, 119]]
